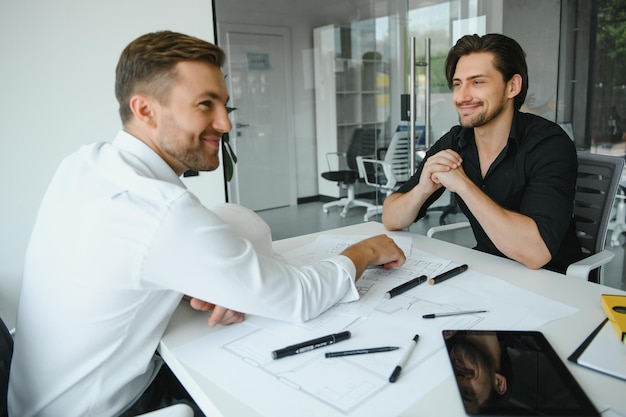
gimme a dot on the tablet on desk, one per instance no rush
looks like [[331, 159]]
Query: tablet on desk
[[513, 373]]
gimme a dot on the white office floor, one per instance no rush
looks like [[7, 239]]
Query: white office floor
[[309, 218]]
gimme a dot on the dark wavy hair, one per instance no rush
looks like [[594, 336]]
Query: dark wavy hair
[[147, 65], [509, 58]]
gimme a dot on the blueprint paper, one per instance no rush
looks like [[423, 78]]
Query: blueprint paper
[[374, 282], [238, 357]]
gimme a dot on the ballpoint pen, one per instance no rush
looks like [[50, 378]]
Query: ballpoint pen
[[360, 351], [451, 313]]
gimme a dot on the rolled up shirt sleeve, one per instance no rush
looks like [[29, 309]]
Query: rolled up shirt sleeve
[[552, 166]]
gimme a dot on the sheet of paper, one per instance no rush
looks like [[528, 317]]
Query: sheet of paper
[[375, 281], [606, 353], [238, 358], [327, 245]]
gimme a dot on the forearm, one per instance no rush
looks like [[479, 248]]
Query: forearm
[[401, 210], [360, 257], [515, 235], [377, 250]]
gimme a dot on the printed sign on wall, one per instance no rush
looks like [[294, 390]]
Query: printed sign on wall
[[258, 61]]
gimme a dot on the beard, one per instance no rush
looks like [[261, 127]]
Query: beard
[[194, 155], [200, 160], [187, 148], [482, 118]]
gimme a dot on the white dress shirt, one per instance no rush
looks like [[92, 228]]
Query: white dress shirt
[[118, 240]]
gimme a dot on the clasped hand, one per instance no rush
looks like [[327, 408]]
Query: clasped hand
[[443, 169]]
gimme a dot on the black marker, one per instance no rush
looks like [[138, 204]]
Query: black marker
[[360, 351], [405, 358], [447, 275], [406, 286], [311, 344]]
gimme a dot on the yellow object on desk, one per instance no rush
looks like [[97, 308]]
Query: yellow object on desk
[[614, 307]]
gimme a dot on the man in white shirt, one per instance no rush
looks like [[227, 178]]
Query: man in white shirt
[[119, 240]]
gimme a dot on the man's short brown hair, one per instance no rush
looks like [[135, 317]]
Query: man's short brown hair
[[147, 65], [509, 58]]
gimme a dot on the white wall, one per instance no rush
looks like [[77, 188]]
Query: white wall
[[56, 81]]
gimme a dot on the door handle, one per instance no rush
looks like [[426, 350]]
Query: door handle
[[238, 125]]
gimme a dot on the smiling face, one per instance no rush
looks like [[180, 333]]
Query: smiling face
[[479, 92], [188, 124]]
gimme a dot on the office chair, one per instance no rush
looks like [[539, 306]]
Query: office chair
[[596, 187], [389, 173], [6, 353], [618, 224], [447, 209], [362, 143]]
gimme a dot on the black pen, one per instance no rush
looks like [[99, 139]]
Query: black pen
[[360, 351], [406, 286], [405, 358], [311, 344], [448, 274]]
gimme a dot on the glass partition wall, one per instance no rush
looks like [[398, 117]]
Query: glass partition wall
[[352, 97], [350, 65], [607, 99]]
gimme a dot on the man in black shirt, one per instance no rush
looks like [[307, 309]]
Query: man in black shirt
[[513, 173]]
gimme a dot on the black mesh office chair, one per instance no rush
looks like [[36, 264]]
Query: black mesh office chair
[[6, 352], [390, 172], [362, 143], [596, 187]]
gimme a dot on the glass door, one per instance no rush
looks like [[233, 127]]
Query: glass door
[[434, 28]]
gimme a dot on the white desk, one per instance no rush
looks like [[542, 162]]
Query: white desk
[[564, 334]]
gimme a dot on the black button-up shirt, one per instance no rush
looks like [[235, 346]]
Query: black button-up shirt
[[535, 175]]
